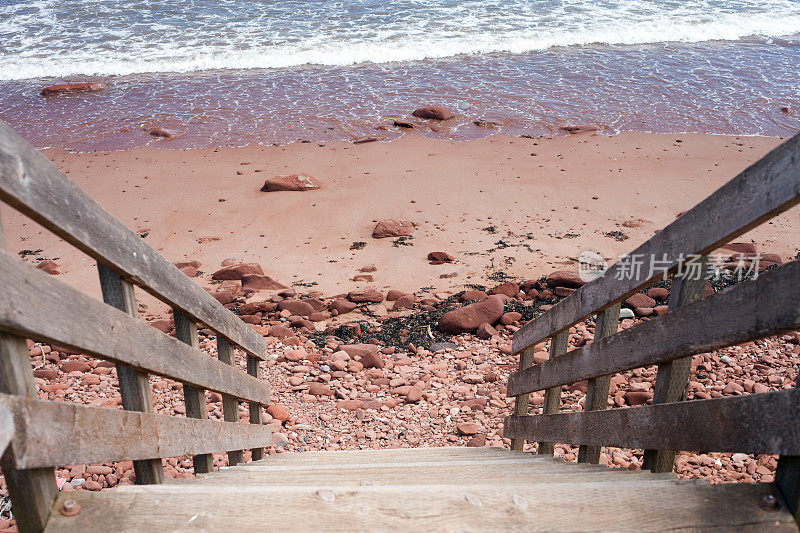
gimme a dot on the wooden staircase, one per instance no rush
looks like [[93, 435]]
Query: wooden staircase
[[425, 489]]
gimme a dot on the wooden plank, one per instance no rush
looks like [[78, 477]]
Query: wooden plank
[[522, 401], [58, 433], [6, 428], [254, 408], [32, 490], [552, 397], [34, 304], [672, 379], [597, 506], [607, 324], [194, 398], [230, 407], [744, 312], [787, 479], [134, 386], [768, 187], [32, 185], [754, 423]]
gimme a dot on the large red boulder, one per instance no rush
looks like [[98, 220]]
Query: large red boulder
[[435, 112], [439, 258], [237, 271], [369, 294], [640, 300], [257, 282], [296, 307], [393, 228], [565, 278], [509, 288], [78, 87], [292, 182], [467, 319]]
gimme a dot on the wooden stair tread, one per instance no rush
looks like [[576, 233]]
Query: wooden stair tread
[[527, 493]]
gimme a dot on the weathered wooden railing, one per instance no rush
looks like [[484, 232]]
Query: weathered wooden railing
[[34, 305], [767, 423]]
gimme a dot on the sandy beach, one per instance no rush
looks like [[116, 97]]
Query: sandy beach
[[543, 199]]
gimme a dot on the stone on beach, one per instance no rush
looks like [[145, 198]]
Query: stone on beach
[[565, 278], [439, 258], [292, 182], [166, 133], [433, 112], [76, 87], [237, 272], [467, 319], [257, 282], [49, 266], [574, 130], [393, 228]]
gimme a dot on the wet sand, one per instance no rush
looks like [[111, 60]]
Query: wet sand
[[511, 205]]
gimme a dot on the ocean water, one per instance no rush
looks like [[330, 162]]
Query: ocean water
[[234, 72]]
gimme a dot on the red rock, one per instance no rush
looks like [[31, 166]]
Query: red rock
[[343, 306], [658, 293], [477, 441], [394, 294], [640, 300], [363, 277], [190, 271], [563, 291], [439, 258], [574, 130], [280, 332], [278, 412], [472, 379], [51, 267], [486, 123], [77, 87], [368, 268], [485, 331], [565, 278], [393, 228], [75, 365], [224, 297], [252, 308], [405, 124], [163, 325], [166, 133], [468, 318], [292, 182], [45, 373], [236, 272], [644, 311], [468, 428], [414, 394], [405, 302], [359, 350], [90, 484], [100, 470], [350, 405], [510, 318], [741, 247], [661, 310], [319, 389], [296, 307], [509, 288], [319, 316], [470, 296], [189, 263], [433, 112], [635, 398], [257, 282], [372, 360], [368, 294]]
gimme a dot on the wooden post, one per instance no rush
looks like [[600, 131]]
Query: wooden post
[[134, 386], [193, 398], [32, 490], [607, 324], [552, 397], [521, 401], [230, 406], [672, 378], [254, 408]]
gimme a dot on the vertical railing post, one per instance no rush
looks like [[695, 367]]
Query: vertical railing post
[[606, 324], [32, 490], [194, 398], [552, 397], [134, 386], [521, 402], [672, 378], [254, 408], [230, 406]]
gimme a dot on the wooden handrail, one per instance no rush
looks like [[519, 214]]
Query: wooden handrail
[[768, 187], [59, 433], [30, 183], [6, 428], [34, 304], [735, 315], [754, 423]]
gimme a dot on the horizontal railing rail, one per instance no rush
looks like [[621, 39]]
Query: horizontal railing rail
[[31, 184], [58, 433], [733, 316], [34, 304], [762, 191]]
